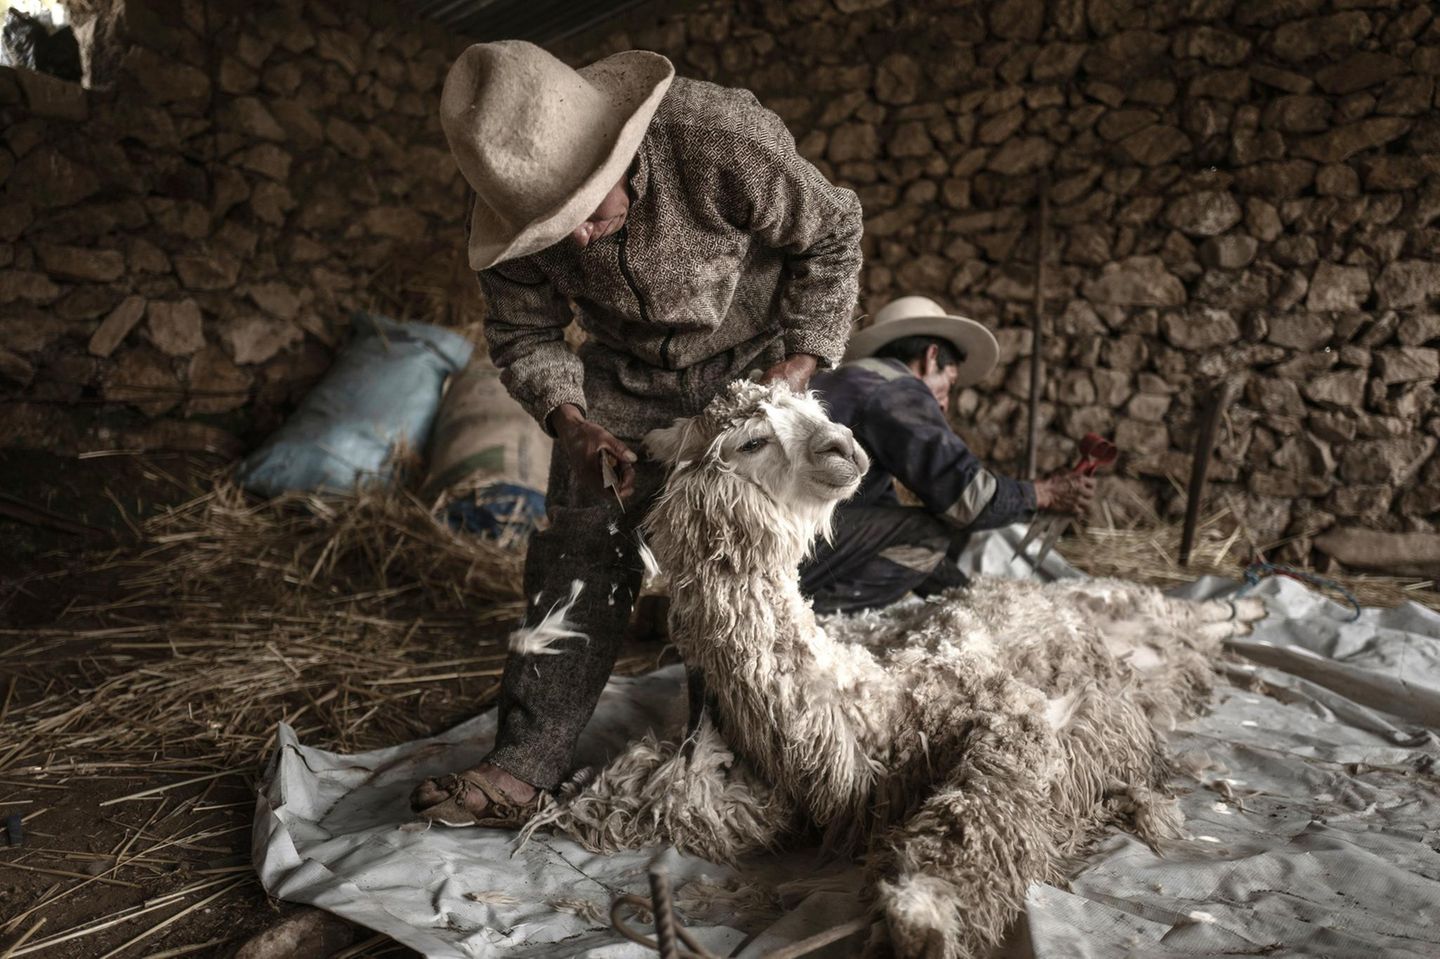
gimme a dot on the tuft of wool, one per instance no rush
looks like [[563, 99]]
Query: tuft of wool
[[540, 639], [695, 794]]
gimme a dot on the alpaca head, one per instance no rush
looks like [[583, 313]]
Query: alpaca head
[[753, 480]]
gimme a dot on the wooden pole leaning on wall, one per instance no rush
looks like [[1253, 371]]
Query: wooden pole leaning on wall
[[1037, 327], [1213, 401]]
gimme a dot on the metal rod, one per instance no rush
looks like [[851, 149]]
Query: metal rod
[[1037, 329], [1214, 400], [665, 939]]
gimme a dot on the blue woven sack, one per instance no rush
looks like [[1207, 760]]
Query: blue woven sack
[[377, 401]]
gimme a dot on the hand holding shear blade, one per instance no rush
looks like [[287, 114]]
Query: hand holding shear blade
[[1095, 452]]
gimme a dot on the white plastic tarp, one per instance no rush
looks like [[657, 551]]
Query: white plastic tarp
[[1312, 799]]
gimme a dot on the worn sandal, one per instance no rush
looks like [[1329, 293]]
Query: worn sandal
[[501, 811]]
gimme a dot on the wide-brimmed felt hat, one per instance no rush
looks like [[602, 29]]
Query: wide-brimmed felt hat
[[922, 316], [541, 143]]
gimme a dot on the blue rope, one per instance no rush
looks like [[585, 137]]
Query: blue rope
[[1259, 569]]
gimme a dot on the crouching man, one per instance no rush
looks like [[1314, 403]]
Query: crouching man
[[893, 393], [694, 244]]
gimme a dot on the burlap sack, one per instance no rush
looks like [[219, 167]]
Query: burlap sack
[[482, 436]]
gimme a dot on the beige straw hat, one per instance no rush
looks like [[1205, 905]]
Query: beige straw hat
[[922, 316], [540, 143]]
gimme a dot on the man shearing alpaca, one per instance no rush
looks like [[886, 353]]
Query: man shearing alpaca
[[893, 392], [694, 244]]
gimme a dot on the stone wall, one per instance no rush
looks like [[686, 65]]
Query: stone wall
[[1235, 185], [188, 237]]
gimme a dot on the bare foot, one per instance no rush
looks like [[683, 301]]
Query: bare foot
[[482, 794]]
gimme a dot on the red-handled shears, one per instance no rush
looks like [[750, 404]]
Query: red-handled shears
[[1095, 452]]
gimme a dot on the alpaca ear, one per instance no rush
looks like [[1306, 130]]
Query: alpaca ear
[[669, 443]]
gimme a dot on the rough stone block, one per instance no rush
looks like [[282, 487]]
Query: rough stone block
[[1148, 407], [853, 141], [1139, 436], [255, 339], [1298, 114], [1358, 71], [176, 328], [16, 368], [1407, 283], [1343, 390], [145, 379], [1399, 554], [81, 263], [1345, 142], [217, 385], [1022, 155], [236, 78], [1199, 329], [1219, 48], [897, 79], [49, 96], [1418, 328], [1301, 331], [1303, 39], [1278, 180], [910, 140], [27, 285], [1390, 462], [1136, 281], [117, 326], [270, 202], [1272, 76], [347, 138], [145, 257], [1337, 287], [267, 160], [1156, 145], [1233, 251], [10, 92], [212, 269], [251, 117], [1407, 364], [47, 178], [166, 79]]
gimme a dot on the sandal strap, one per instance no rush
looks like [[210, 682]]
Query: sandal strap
[[501, 809]]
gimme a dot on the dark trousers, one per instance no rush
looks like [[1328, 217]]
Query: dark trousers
[[880, 553], [547, 698]]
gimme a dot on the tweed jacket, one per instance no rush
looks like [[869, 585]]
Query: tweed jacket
[[736, 251]]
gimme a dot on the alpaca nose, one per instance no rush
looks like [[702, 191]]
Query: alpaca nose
[[836, 442]]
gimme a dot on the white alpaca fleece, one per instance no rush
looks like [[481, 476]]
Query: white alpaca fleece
[[697, 789], [540, 639], [973, 743]]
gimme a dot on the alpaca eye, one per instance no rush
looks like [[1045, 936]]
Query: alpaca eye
[[751, 446]]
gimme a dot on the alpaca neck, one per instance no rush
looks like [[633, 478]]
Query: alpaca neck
[[783, 688]]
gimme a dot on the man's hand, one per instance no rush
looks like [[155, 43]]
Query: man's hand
[[796, 370], [582, 442], [1065, 493]]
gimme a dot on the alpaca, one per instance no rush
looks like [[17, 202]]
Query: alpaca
[[970, 744]]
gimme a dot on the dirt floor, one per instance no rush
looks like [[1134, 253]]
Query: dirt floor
[[137, 844]]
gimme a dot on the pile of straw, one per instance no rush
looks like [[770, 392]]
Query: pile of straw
[[360, 618], [1149, 553]]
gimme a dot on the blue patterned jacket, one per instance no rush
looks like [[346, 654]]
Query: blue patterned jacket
[[896, 419]]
